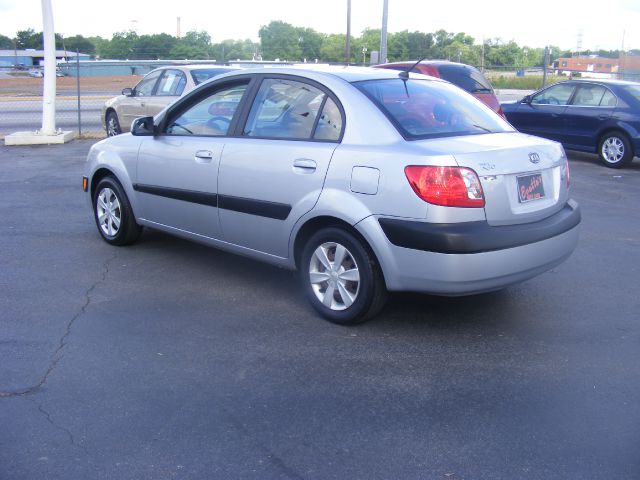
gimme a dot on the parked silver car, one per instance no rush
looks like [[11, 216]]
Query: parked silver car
[[153, 93], [365, 180]]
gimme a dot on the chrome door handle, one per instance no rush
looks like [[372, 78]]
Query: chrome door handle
[[204, 155], [304, 165]]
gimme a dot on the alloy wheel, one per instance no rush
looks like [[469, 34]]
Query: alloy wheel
[[612, 150], [109, 212], [334, 276]]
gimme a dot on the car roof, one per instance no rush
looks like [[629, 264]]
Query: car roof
[[347, 73], [606, 81], [429, 62]]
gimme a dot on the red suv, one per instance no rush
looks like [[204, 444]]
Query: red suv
[[464, 76]]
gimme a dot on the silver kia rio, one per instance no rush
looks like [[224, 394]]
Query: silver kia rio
[[365, 181]]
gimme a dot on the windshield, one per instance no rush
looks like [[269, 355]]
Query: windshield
[[465, 77], [203, 74], [431, 109]]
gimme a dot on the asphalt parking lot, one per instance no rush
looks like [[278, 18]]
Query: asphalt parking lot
[[170, 360]]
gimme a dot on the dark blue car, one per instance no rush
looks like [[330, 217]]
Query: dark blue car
[[601, 116]]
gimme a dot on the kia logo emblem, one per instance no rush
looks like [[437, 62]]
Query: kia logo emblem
[[534, 157]]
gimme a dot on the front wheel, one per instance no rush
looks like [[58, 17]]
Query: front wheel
[[615, 150], [113, 214], [341, 277], [113, 124]]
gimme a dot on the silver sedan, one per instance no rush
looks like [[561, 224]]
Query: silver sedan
[[365, 181]]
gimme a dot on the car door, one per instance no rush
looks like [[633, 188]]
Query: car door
[[168, 90], [136, 105], [591, 107], [543, 114], [177, 174], [272, 173]]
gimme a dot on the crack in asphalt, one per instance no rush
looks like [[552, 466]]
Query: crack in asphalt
[[68, 432], [274, 459], [59, 353]]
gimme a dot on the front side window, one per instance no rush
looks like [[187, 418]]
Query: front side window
[[556, 95], [172, 83], [284, 109], [145, 87], [210, 116], [431, 109]]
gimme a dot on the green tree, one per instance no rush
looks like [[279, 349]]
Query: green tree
[[81, 44], [280, 40], [5, 43], [31, 39], [195, 45], [121, 46], [333, 48], [310, 43], [234, 50]]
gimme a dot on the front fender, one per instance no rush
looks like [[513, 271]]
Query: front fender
[[119, 156]]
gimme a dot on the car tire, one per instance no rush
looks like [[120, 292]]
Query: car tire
[[345, 290], [615, 150], [112, 124], [113, 214]]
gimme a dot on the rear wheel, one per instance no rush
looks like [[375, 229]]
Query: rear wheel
[[341, 277], [615, 150], [113, 213], [113, 124]]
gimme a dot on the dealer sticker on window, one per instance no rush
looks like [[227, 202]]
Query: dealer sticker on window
[[530, 187]]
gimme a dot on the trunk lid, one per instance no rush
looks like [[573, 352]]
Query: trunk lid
[[523, 177]]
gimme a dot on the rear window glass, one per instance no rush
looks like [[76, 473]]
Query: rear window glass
[[203, 74], [430, 109], [467, 78], [634, 90]]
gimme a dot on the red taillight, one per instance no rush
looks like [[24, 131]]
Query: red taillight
[[447, 186], [501, 113]]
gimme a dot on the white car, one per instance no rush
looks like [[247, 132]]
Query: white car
[[154, 92]]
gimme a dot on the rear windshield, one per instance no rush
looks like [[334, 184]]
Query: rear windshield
[[634, 90], [204, 74], [430, 109], [467, 78]]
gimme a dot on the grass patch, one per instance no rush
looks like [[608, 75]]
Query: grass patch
[[531, 82]]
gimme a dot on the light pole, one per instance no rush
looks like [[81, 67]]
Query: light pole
[[383, 32], [364, 56], [48, 133], [347, 50]]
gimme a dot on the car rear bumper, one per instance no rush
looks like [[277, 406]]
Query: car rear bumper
[[457, 266]]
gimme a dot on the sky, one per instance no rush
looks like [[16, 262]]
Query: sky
[[544, 22]]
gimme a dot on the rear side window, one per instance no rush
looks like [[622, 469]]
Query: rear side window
[[589, 96], [430, 109], [467, 78], [284, 109], [172, 83]]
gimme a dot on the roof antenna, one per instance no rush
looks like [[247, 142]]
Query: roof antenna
[[405, 73]]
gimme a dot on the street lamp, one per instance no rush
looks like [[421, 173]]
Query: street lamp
[[364, 55]]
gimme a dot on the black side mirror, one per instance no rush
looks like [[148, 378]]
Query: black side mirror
[[143, 127], [127, 92], [526, 99]]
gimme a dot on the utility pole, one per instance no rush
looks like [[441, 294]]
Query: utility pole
[[49, 91], [347, 51], [546, 64], [383, 33]]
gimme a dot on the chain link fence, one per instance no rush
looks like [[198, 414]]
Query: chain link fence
[[79, 103]]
